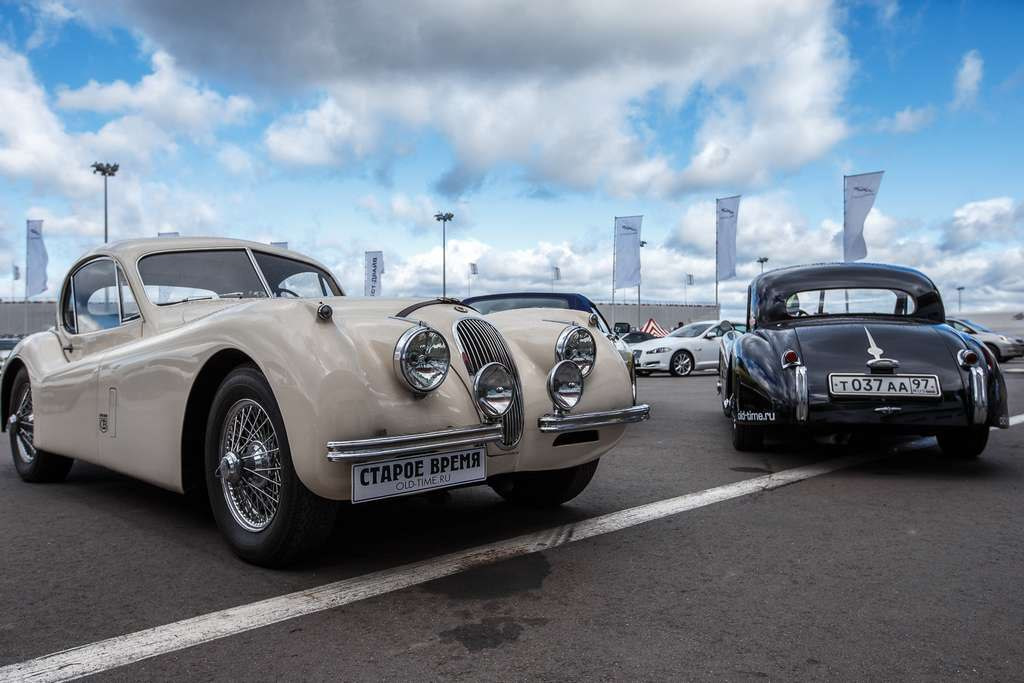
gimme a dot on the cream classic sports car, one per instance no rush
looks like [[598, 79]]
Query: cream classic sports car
[[242, 369]]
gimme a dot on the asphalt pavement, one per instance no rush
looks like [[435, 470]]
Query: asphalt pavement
[[908, 566]]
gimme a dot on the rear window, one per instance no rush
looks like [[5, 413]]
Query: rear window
[[494, 305], [825, 302]]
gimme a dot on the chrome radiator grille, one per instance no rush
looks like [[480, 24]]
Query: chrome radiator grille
[[481, 344]]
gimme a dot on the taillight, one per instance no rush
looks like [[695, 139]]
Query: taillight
[[968, 358], [790, 358]]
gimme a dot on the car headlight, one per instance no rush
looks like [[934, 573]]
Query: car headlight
[[565, 384], [577, 344], [422, 359], [660, 349], [493, 390], [1004, 339]]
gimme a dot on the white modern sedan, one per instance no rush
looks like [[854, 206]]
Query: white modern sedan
[[691, 347]]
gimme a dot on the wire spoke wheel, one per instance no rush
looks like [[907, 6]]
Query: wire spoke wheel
[[24, 426], [249, 466]]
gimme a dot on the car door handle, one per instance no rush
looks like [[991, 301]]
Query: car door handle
[[69, 348]]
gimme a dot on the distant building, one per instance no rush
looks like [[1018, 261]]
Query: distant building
[[21, 317]]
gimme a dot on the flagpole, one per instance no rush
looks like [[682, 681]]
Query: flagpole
[[716, 258], [846, 292], [614, 235], [25, 303]]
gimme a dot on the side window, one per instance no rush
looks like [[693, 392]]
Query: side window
[[306, 285], [713, 332], [129, 306], [95, 297], [67, 308]]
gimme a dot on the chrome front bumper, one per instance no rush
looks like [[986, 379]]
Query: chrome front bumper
[[605, 418], [380, 447]]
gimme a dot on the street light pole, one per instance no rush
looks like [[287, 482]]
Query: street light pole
[[444, 218], [762, 260], [107, 171], [638, 323], [960, 299]]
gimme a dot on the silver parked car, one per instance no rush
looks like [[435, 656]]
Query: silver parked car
[[1002, 347]]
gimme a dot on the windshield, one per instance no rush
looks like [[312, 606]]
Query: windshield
[[290, 278], [691, 330], [821, 302], [980, 328], [173, 277], [513, 302]]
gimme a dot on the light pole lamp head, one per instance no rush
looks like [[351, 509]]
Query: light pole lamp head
[[762, 259], [104, 169], [444, 217]]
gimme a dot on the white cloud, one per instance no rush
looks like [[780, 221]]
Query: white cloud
[[235, 159], [48, 16], [168, 97], [327, 135], [34, 146], [908, 120], [561, 93], [415, 212], [999, 219], [968, 80]]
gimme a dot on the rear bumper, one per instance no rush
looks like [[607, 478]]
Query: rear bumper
[[604, 418], [382, 447]]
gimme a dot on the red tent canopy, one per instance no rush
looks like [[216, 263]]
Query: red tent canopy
[[652, 327]]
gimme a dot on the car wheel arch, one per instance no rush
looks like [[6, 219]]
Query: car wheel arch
[[197, 411], [10, 372]]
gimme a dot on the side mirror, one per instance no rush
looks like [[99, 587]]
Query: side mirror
[[711, 336]]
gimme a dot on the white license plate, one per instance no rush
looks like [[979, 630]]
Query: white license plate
[[402, 476], [884, 385]]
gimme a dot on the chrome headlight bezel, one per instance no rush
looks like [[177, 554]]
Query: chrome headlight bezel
[[564, 374], [485, 377], [567, 348], [403, 363]]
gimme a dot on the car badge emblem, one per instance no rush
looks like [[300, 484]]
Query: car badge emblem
[[874, 350], [462, 309]]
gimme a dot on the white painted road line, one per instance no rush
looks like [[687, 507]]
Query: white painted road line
[[160, 640], [134, 647]]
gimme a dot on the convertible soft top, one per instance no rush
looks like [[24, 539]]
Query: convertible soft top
[[770, 290]]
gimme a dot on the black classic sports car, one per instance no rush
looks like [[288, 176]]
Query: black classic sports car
[[849, 347]]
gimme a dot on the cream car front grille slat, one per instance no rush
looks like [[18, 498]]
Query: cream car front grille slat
[[483, 344]]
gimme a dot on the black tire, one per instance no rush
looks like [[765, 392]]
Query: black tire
[[302, 521], [32, 464], [966, 443], [995, 352], [747, 437], [545, 489], [681, 364]]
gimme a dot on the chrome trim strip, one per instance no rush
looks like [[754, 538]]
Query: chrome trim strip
[[801, 393], [604, 418], [361, 450], [979, 395]]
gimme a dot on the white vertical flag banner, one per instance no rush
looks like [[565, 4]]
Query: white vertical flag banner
[[36, 259], [373, 268], [727, 211], [627, 252], [859, 192]]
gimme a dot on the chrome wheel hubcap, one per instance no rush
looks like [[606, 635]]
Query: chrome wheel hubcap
[[249, 467], [683, 364], [22, 426]]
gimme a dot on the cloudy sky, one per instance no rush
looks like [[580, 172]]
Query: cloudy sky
[[344, 126]]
